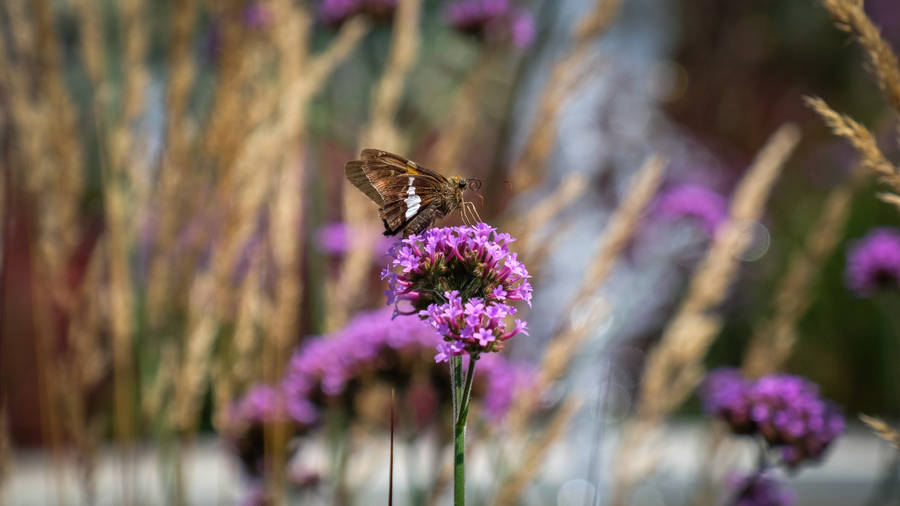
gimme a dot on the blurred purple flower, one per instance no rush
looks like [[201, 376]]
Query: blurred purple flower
[[261, 404], [328, 362], [322, 369], [255, 495], [523, 29], [335, 12], [503, 381], [256, 16], [332, 238], [336, 238], [695, 202], [461, 280], [759, 490], [724, 394], [873, 262], [785, 410], [492, 19]]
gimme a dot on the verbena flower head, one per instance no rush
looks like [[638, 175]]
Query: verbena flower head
[[335, 12], [261, 404], [873, 262], [327, 363], [785, 410], [695, 202], [759, 490], [463, 281], [492, 20], [724, 394]]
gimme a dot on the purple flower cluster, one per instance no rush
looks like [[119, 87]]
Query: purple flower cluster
[[873, 262], [493, 20], [504, 380], [329, 362], [695, 202], [335, 12], [325, 365], [461, 279], [759, 490], [261, 404], [785, 410]]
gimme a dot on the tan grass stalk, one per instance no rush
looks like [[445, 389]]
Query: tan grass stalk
[[774, 339], [301, 78], [85, 367], [510, 491], [889, 198], [562, 79], [527, 227], [90, 32], [674, 365], [48, 139], [861, 139], [119, 189], [381, 133], [173, 191], [192, 375], [244, 366], [619, 231], [162, 386], [882, 430], [388, 92], [464, 116], [284, 220], [227, 122], [63, 171], [850, 16], [286, 208], [253, 310]]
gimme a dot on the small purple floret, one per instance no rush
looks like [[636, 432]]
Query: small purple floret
[[695, 202], [492, 20], [873, 262], [335, 12]]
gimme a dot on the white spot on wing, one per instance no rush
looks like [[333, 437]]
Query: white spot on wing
[[412, 201]]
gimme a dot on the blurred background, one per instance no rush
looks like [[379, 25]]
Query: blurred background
[[177, 238]]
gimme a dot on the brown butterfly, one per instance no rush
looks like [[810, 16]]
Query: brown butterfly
[[410, 197]]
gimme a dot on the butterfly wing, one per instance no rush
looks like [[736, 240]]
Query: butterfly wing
[[407, 199], [409, 195], [356, 173]]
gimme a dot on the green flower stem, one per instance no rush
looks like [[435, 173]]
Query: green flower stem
[[462, 393]]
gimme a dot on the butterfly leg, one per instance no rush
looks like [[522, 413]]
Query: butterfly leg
[[422, 220], [466, 214], [472, 212]]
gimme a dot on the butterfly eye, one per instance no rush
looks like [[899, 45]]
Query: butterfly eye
[[462, 183]]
